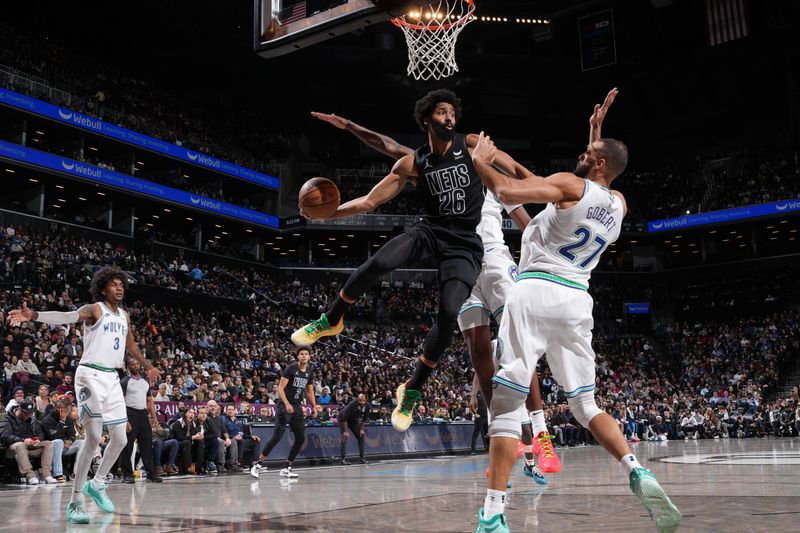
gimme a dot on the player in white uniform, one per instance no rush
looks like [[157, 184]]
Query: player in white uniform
[[106, 336], [498, 272], [549, 310]]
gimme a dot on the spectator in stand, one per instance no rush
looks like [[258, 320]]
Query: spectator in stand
[[24, 441], [220, 432], [165, 451], [239, 442], [187, 432], [162, 396], [209, 430], [18, 395], [59, 429]]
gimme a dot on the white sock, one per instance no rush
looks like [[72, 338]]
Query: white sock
[[537, 422], [494, 504], [529, 451], [629, 462]]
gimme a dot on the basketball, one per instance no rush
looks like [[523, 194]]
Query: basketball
[[319, 198]]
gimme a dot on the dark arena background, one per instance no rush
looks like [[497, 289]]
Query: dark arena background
[[171, 140]]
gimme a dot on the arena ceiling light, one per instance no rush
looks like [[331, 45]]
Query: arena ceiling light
[[100, 193], [166, 210], [92, 148], [784, 221], [56, 205], [248, 230], [59, 186], [217, 226], [39, 132], [189, 219], [296, 234], [82, 199], [33, 180], [350, 235], [278, 238], [156, 216], [10, 171]]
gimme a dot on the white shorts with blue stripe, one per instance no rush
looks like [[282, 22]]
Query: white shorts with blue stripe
[[546, 314], [99, 395], [488, 298]]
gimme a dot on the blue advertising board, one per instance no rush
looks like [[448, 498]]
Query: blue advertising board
[[637, 309], [323, 441], [726, 215], [85, 171], [95, 125]]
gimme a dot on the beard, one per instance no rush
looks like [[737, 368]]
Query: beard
[[442, 133], [582, 170]]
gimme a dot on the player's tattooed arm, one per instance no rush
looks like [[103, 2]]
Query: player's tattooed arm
[[599, 114], [153, 374], [377, 141], [89, 314]]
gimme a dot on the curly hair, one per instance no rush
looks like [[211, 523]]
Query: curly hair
[[424, 107], [101, 279]]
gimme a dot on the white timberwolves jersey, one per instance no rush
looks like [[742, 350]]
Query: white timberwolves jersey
[[490, 227], [568, 242], [104, 342]]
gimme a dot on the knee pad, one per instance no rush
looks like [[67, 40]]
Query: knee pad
[[584, 408], [504, 413]]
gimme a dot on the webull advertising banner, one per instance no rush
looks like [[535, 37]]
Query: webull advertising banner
[[95, 125], [63, 165]]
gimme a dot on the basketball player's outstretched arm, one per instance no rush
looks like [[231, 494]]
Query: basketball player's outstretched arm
[[377, 141], [385, 190], [153, 374], [559, 187], [89, 314], [599, 114]]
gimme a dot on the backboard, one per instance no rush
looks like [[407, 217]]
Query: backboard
[[285, 26]]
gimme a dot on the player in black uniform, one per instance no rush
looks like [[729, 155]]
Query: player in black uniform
[[452, 195], [352, 420], [295, 380]]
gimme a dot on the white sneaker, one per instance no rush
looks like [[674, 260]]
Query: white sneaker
[[287, 472], [33, 481], [255, 469], [50, 480]]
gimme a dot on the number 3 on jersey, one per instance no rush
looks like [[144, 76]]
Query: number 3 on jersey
[[116, 343], [585, 237]]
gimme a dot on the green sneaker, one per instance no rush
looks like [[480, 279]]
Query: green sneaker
[[76, 513], [98, 494], [403, 414], [316, 329], [662, 511], [496, 524]]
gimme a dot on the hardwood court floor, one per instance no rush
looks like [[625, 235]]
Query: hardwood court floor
[[749, 486]]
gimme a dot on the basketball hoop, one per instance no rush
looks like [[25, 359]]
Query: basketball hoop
[[431, 34]]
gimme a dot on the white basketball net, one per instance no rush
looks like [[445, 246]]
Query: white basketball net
[[431, 34]]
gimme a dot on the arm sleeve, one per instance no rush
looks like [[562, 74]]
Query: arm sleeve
[[510, 208]]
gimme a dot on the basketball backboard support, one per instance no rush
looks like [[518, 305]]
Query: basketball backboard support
[[285, 26]]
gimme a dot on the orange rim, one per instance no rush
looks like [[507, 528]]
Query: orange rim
[[400, 22]]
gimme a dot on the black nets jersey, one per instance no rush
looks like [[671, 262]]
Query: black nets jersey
[[298, 381], [449, 187]]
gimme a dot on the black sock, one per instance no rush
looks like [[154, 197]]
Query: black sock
[[337, 311], [421, 374]]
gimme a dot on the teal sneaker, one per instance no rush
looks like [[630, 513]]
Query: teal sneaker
[[534, 473], [662, 511], [98, 494], [496, 524], [76, 514]]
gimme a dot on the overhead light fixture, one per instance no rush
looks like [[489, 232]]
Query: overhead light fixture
[[150, 224], [189, 219], [40, 132], [92, 148], [10, 171], [224, 232], [100, 193], [82, 199], [248, 230], [296, 234], [140, 163], [56, 205], [33, 180], [167, 210], [217, 226], [59, 186], [62, 200]]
